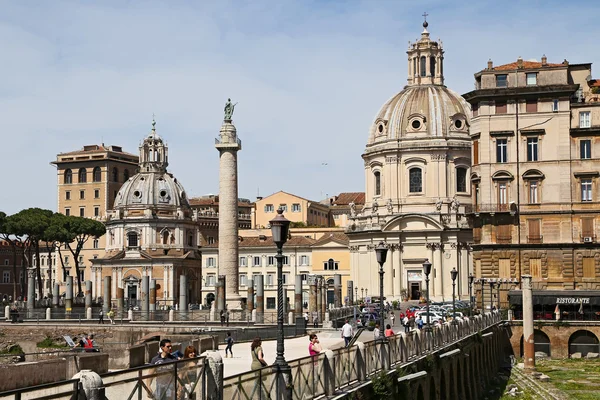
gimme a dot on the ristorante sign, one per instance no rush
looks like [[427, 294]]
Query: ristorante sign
[[572, 300]]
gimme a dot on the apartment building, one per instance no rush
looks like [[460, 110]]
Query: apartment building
[[535, 133], [297, 209]]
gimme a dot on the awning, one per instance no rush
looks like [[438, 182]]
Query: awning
[[560, 297]]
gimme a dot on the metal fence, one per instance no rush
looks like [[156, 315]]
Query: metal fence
[[185, 379], [325, 374]]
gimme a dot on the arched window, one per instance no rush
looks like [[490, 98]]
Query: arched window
[[68, 176], [82, 175], [377, 175], [115, 174], [132, 239], [423, 65], [97, 175], [415, 179], [461, 179], [125, 175], [432, 66]]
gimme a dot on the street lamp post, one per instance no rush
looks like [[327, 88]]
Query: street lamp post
[[362, 293], [471, 278], [499, 283], [381, 254], [427, 270], [356, 294], [280, 229], [482, 281], [453, 275]]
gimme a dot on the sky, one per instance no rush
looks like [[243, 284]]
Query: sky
[[308, 77]]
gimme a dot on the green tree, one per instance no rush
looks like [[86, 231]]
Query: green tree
[[31, 224], [6, 235], [74, 232], [11, 232]]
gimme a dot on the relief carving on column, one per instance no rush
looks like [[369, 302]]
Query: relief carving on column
[[353, 249]]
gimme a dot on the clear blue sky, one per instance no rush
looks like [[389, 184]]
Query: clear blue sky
[[309, 77]]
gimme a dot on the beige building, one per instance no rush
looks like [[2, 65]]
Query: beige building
[[208, 216], [151, 231], [297, 209], [302, 256], [340, 206], [88, 182], [417, 160], [534, 181]]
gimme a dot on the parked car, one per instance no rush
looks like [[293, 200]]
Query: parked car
[[364, 319], [434, 317]]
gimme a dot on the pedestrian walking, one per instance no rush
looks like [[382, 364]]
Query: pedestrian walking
[[376, 332], [305, 315], [229, 341], [111, 316], [388, 331], [315, 320], [222, 315], [347, 333], [101, 317], [392, 317], [406, 324]]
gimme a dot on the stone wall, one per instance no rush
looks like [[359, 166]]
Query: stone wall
[[558, 334], [25, 374]]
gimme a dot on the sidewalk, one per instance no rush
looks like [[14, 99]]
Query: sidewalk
[[294, 349]]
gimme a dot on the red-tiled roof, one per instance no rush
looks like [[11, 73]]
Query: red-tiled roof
[[349, 197], [340, 238], [94, 149], [268, 242], [526, 65], [210, 201]]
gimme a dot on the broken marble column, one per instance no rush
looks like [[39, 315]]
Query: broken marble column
[[120, 301], [528, 335], [250, 296], [337, 291], [183, 298], [152, 295], [56, 295], [106, 306], [350, 293], [221, 297], [69, 297], [145, 298], [298, 296], [88, 294], [260, 298]]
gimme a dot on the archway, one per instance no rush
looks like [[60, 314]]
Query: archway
[[583, 342], [420, 395], [542, 343]]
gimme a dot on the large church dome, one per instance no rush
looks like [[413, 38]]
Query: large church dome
[[152, 186], [420, 111]]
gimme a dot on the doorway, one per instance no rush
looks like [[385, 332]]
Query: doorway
[[415, 290]]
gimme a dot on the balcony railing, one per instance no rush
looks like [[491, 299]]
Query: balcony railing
[[535, 238], [487, 208]]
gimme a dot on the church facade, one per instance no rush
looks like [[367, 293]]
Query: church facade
[[151, 231], [417, 160]]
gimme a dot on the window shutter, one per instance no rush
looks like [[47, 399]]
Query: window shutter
[[504, 268], [535, 266], [589, 267], [531, 106], [587, 227]]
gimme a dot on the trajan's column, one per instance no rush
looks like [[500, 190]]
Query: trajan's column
[[228, 145]]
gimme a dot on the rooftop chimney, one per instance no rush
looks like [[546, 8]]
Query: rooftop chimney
[[490, 64], [520, 62], [544, 61]]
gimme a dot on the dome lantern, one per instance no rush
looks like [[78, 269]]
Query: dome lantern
[[425, 60], [154, 153]]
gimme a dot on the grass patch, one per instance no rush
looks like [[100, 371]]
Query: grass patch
[[49, 343], [577, 378], [13, 349]]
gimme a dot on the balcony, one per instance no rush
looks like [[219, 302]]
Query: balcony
[[504, 239], [535, 239], [491, 208]]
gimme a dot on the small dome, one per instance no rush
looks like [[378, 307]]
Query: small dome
[[149, 189], [420, 111]]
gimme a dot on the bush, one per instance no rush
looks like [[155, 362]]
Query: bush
[[49, 343], [12, 349]]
